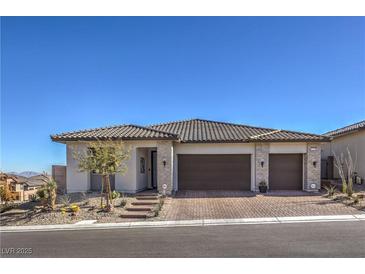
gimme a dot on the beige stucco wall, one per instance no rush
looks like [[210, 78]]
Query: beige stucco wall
[[132, 181], [356, 144], [76, 181]]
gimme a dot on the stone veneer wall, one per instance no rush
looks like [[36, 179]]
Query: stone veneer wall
[[262, 173], [164, 173], [312, 174]]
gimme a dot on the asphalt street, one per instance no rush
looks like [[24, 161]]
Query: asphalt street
[[327, 239]]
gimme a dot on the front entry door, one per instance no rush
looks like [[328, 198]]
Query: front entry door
[[154, 168]]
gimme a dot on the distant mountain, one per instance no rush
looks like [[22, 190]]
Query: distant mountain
[[25, 173]]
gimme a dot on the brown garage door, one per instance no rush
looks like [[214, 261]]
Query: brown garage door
[[214, 172], [285, 171]]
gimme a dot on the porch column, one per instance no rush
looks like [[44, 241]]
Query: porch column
[[164, 165], [312, 167], [261, 170]]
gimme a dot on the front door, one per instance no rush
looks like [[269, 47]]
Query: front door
[[154, 168]]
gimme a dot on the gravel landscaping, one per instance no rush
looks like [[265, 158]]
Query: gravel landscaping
[[32, 213]]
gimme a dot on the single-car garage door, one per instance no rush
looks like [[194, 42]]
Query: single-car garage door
[[285, 171], [214, 172]]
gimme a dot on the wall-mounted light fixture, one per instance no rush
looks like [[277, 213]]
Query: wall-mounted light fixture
[[262, 162], [164, 162], [312, 148], [314, 163]]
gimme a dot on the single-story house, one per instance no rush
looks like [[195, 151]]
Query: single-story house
[[351, 137], [202, 155]]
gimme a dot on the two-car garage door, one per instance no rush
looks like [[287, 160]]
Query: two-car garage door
[[214, 171]]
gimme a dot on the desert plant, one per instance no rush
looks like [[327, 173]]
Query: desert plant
[[159, 206], [115, 195], [48, 193], [124, 200], [34, 198], [331, 190], [346, 175], [63, 210], [42, 194], [104, 158], [65, 200], [51, 189], [75, 209]]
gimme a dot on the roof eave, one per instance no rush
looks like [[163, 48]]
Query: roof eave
[[90, 139]]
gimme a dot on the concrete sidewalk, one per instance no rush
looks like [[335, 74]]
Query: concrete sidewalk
[[87, 225]]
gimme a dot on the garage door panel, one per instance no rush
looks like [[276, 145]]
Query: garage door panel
[[285, 171], [214, 172]]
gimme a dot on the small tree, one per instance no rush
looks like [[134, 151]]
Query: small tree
[[346, 175], [104, 158], [5, 194]]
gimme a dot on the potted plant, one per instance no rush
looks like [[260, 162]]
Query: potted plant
[[263, 187]]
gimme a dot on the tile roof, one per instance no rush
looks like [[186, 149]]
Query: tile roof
[[204, 131], [121, 132], [192, 131], [347, 129]]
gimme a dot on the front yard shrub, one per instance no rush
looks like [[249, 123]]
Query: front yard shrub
[[331, 190], [34, 198], [115, 195], [65, 200], [48, 193], [159, 206], [123, 202], [75, 209], [42, 194]]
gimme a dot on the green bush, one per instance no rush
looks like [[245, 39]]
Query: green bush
[[115, 195]]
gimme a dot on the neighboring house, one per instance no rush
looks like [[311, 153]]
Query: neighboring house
[[202, 155], [352, 137], [21, 188]]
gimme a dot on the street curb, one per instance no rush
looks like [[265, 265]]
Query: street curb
[[182, 223]]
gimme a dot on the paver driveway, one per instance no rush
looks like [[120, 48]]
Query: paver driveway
[[238, 204]]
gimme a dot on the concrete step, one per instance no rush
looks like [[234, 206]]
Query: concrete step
[[138, 203], [139, 208], [146, 198], [134, 215]]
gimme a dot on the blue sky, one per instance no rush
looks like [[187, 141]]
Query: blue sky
[[68, 73]]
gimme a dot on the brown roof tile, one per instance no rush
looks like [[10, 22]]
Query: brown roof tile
[[204, 131], [122, 132], [347, 129], [192, 131]]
